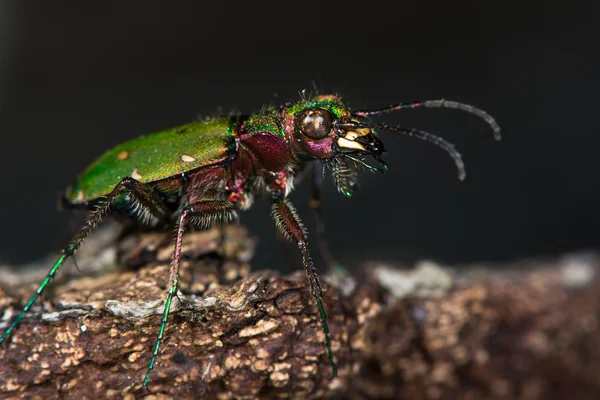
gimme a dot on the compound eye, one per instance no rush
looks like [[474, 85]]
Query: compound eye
[[316, 123]]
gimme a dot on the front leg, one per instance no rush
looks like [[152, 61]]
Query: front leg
[[291, 228], [316, 204]]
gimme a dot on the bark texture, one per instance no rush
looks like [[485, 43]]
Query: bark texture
[[526, 331]]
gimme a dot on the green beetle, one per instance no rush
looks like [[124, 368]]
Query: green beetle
[[204, 172]]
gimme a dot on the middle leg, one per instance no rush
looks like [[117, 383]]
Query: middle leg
[[205, 214]]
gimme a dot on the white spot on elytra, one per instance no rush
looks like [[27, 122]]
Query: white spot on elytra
[[187, 158], [135, 174], [80, 196]]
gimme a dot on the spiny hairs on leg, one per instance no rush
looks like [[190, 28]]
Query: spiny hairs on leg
[[220, 216], [291, 227], [284, 214]]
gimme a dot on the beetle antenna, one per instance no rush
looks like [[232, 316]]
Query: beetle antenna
[[441, 103], [436, 140], [419, 134]]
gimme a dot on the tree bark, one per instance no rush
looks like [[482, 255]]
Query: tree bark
[[524, 331]]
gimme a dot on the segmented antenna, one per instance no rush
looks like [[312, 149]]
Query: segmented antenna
[[417, 133], [441, 103], [436, 140]]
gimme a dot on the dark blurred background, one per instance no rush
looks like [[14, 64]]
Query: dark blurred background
[[79, 77]]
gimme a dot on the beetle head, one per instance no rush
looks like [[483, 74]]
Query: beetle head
[[324, 128]]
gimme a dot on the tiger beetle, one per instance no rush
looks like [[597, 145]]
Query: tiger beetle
[[203, 173]]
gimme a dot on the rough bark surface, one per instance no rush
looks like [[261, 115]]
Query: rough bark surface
[[526, 331]]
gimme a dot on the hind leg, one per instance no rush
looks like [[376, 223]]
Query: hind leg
[[140, 192]]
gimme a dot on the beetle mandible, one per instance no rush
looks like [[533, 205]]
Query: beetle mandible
[[204, 172]]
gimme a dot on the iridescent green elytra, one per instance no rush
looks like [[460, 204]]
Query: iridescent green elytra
[[204, 172], [157, 156]]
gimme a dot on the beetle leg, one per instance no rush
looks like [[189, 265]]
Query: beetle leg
[[142, 193], [316, 204], [291, 227], [337, 275], [207, 213]]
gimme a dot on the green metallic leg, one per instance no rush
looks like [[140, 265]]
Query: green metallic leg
[[291, 227], [316, 204], [204, 214], [141, 194]]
